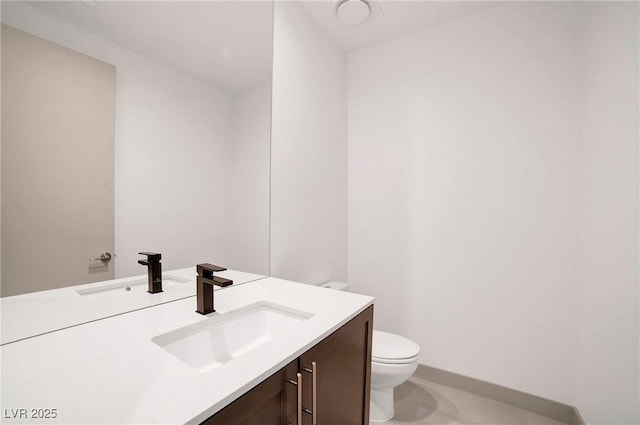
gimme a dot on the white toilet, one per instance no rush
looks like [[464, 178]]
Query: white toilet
[[393, 360]]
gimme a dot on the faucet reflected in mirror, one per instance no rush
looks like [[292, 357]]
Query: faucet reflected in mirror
[[154, 270]]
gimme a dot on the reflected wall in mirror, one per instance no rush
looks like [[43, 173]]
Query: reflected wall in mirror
[[191, 142]]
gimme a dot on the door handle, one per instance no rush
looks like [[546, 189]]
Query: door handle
[[314, 404], [298, 384], [105, 257]]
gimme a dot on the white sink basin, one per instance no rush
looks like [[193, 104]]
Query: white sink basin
[[215, 341], [126, 287]]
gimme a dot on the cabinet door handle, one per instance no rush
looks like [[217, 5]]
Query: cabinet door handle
[[314, 398], [299, 406]]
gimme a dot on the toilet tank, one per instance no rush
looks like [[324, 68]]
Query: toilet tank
[[334, 284]]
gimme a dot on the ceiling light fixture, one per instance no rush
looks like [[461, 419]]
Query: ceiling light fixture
[[353, 12]]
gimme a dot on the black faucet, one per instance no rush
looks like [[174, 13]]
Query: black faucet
[[155, 270], [204, 286]]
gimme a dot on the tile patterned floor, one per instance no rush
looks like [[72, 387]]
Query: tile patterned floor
[[420, 402]]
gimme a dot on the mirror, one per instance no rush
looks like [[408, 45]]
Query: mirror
[[191, 135]]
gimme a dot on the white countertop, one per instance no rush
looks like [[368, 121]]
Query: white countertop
[[109, 371], [28, 315]]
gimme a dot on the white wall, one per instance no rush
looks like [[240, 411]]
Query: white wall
[[464, 192], [308, 151], [493, 198], [249, 221], [173, 154], [173, 158], [607, 367]]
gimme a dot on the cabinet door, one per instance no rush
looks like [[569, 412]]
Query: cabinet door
[[272, 402], [342, 373]]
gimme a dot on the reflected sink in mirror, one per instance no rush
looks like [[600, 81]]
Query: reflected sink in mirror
[[126, 287], [217, 340]]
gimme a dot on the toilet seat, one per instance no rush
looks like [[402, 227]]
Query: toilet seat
[[394, 361], [389, 348]]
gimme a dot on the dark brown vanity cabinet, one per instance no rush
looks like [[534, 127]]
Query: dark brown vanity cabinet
[[339, 370]]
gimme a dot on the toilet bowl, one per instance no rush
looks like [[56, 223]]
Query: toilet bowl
[[393, 360]]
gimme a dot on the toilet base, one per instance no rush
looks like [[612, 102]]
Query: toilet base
[[381, 406]]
